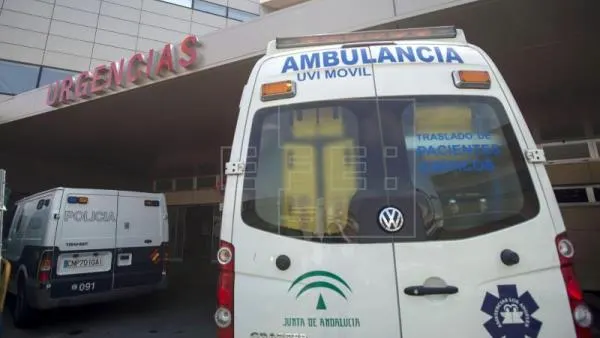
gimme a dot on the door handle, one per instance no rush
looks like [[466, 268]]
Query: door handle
[[420, 290], [509, 257], [148, 241]]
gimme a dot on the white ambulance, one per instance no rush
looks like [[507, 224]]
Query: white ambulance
[[384, 184], [71, 247]]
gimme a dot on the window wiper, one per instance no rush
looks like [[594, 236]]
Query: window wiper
[[433, 224]]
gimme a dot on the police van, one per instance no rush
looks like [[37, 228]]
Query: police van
[[71, 247], [385, 184]]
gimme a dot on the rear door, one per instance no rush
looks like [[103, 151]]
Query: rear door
[[292, 258], [84, 242], [139, 241], [457, 276]]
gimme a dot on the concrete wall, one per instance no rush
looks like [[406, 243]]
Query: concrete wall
[[572, 117], [201, 196], [584, 232], [33, 174], [80, 34], [240, 42]]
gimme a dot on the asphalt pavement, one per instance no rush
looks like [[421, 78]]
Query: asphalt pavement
[[157, 316], [177, 313]]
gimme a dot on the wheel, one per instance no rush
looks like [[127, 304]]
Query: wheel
[[24, 316]]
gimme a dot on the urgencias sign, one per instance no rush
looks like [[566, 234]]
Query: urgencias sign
[[124, 73]]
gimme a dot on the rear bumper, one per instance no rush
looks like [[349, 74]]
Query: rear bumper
[[40, 298]]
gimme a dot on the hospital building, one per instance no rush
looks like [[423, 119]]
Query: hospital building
[[165, 127]]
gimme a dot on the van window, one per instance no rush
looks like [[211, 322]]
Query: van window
[[8, 221], [17, 221], [310, 166]]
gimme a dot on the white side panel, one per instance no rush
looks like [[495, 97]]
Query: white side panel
[[29, 225], [268, 302], [139, 224]]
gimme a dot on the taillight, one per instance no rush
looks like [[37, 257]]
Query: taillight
[[582, 316], [45, 267], [224, 313]]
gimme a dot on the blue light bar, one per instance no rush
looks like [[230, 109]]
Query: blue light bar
[[77, 200]]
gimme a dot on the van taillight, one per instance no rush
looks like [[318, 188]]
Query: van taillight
[[224, 313], [582, 316], [45, 267]]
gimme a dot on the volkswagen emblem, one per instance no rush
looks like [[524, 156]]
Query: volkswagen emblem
[[391, 219]]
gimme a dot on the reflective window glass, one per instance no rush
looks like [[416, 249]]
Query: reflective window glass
[[210, 7], [567, 151], [51, 75], [185, 3], [323, 171], [575, 195], [16, 78], [238, 15]]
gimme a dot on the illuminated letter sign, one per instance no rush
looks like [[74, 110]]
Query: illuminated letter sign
[[123, 73]]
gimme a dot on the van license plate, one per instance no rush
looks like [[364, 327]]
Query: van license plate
[[84, 263]]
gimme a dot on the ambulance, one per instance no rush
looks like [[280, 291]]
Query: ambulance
[[385, 184]]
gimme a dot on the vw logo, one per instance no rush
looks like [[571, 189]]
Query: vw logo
[[391, 219]]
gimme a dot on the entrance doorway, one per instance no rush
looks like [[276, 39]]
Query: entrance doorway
[[191, 244]]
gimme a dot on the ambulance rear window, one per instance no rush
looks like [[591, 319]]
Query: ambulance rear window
[[338, 171]]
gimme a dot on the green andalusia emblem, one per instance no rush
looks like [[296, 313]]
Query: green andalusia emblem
[[326, 281]]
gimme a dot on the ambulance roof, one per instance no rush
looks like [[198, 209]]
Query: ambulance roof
[[443, 34]]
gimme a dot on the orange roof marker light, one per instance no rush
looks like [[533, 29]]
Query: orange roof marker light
[[472, 79], [278, 90], [442, 32]]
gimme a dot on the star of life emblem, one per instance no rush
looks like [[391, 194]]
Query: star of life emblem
[[511, 314]]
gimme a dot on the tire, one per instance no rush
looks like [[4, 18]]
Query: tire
[[24, 316]]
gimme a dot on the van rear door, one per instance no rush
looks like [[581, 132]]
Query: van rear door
[[84, 242], [294, 256], [139, 241], [486, 264]]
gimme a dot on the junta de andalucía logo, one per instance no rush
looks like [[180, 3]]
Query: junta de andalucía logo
[[322, 280], [326, 280]]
